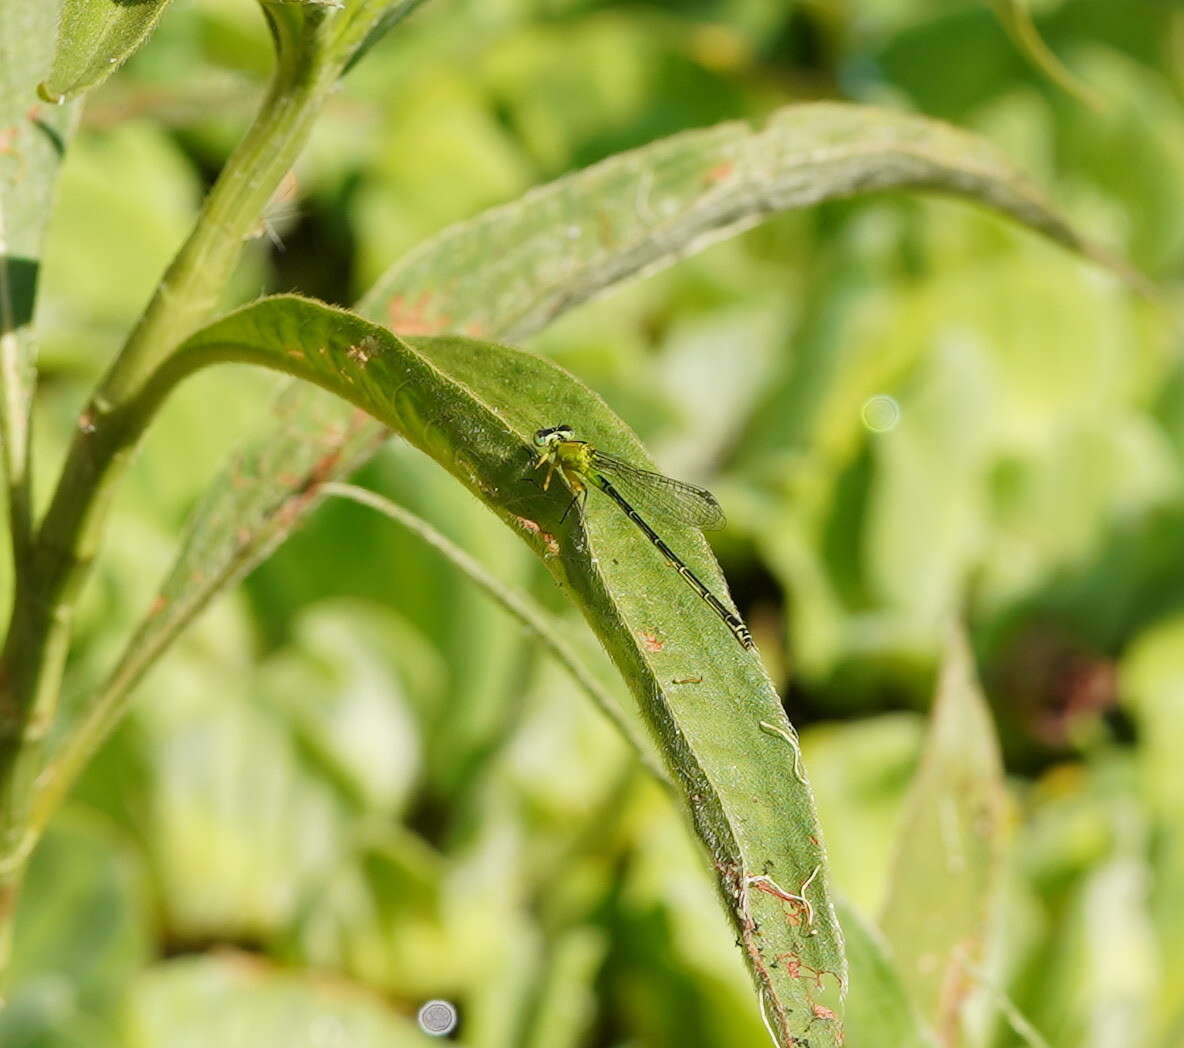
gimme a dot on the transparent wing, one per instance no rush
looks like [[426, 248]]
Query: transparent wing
[[664, 497]]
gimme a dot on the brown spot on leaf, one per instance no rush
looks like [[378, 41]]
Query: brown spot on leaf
[[411, 318], [720, 172]]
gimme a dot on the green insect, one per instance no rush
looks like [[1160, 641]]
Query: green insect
[[581, 466]]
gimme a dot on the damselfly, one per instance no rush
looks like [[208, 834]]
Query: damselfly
[[581, 465]]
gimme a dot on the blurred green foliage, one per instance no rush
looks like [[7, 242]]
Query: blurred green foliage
[[357, 785]]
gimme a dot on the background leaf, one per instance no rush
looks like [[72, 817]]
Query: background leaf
[[878, 1007], [1153, 673], [946, 875], [82, 933], [1016, 18], [235, 1000]]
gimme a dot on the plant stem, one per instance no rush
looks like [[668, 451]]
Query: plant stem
[[313, 44], [16, 381]]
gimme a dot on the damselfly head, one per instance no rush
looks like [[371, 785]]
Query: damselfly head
[[552, 435]]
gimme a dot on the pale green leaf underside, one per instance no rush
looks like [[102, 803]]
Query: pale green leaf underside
[[947, 868], [473, 406], [95, 37], [511, 270]]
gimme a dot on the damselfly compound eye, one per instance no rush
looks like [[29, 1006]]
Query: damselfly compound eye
[[546, 437]]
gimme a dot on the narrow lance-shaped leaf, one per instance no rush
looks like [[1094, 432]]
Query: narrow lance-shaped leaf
[[32, 141], [879, 1008], [948, 861], [517, 267], [473, 407], [95, 38], [510, 271]]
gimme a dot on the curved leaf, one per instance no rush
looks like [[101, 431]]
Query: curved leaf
[[95, 37], [716, 717], [511, 270], [515, 268]]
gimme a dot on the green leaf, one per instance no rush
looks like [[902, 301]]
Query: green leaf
[[386, 915], [633, 213], [473, 407], [879, 1010], [83, 930], [390, 18], [1153, 686], [860, 771], [509, 272], [948, 863], [234, 1000], [1020, 27], [346, 705], [95, 37], [32, 141], [228, 781], [566, 1007]]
